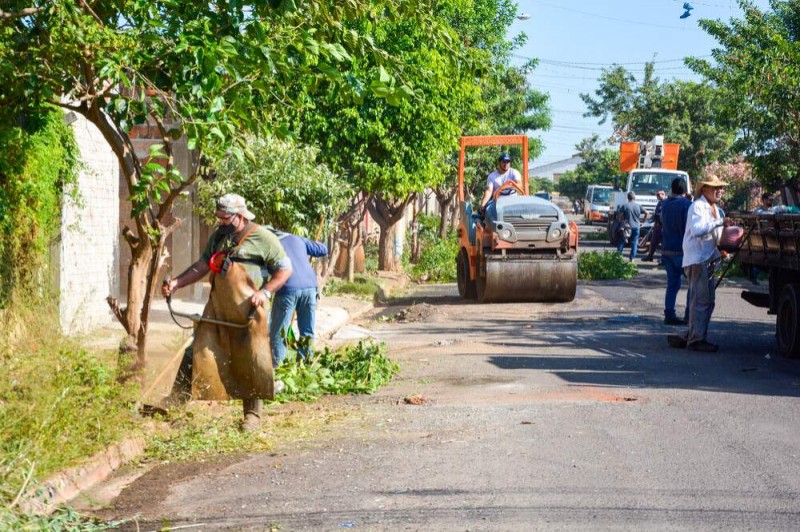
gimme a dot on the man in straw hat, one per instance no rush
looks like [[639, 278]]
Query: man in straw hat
[[705, 221]]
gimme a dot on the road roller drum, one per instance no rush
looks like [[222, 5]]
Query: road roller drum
[[501, 279]]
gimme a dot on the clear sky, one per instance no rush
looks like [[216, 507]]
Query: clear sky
[[575, 39]]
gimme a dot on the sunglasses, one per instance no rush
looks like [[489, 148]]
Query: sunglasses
[[225, 220]]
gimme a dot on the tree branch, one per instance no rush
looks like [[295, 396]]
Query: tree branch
[[25, 12]]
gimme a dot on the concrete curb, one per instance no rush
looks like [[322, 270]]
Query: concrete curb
[[67, 485]]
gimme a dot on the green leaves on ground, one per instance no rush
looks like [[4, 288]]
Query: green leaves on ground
[[595, 265], [360, 368]]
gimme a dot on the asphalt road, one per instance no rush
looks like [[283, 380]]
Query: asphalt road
[[533, 417]]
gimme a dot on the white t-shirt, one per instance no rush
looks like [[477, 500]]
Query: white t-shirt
[[496, 180]]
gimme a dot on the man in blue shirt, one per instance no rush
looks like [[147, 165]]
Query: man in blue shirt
[[674, 210], [657, 235], [298, 294], [630, 213]]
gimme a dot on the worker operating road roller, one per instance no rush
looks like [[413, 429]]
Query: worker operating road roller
[[497, 179]]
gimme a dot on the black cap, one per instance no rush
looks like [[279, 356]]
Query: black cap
[[504, 158]]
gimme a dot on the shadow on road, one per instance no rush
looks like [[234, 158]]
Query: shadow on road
[[598, 349]]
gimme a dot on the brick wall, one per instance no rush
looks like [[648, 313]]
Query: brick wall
[[89, 248]]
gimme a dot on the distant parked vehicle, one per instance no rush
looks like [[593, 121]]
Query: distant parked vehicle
[[596, 203], [544, 195]]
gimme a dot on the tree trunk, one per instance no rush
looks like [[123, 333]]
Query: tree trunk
[[147, 245], [415, 251], [386, 257], [454, 215], [444, 197], [387, 212], [353, 241]]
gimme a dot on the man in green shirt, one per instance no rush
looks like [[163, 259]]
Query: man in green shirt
[[258, 250]]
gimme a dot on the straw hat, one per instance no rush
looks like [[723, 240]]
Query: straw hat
[[709, 181]]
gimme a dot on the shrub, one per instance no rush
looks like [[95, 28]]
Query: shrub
[[605, 265], [437, 262], [284, 186]]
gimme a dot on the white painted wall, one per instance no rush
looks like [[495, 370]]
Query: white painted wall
[[89, 249]]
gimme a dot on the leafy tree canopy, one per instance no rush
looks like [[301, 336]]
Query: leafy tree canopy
[[204, 71], [684, 112], [284, 186], [756, 71]]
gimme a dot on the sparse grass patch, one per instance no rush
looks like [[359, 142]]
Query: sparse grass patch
[[594, 265], [362, 286], [62, 519], [205, 429]]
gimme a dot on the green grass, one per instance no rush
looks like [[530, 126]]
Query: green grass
[[363, 286], [202, 430], [59, 403], [595, 265]]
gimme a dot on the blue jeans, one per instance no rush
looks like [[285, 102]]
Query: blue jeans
[[304, 301], [673, 265], [634, 242]]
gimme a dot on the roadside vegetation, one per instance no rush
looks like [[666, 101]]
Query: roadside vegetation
[[595, 265], [60, 404], [437, 256], [198, 431]]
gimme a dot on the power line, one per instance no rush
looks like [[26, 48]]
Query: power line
[[634, 22]]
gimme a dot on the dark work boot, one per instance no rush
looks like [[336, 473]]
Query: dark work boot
[[676, 340], [703, 346], [252, 414]]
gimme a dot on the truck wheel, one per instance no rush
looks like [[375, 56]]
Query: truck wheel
[[466, 286], [787, 327]]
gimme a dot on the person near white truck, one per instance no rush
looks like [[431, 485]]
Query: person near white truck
[[649, 167]]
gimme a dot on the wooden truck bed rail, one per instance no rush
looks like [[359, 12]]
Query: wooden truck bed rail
[[774, 240]]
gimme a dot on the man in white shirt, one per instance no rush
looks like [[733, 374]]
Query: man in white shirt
[[701, 257], [498, 178]]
